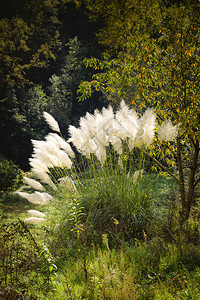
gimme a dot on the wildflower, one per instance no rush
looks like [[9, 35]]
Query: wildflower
[[36, 213], [167, 131], [34, 220], [51, 122], [33, 183]]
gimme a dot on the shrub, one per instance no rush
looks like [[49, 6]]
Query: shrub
[[11, 177]]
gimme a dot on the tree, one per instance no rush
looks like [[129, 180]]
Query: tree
[[21, 121], [158, 65], [27, 40], [63, 103]]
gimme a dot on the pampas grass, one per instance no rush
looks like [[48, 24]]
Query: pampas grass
[[36, 213], [34, 184], [34, 220], [168, 132], [105, 183], [51, 122]]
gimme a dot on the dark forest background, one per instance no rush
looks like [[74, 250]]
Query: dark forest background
[[42, 47]]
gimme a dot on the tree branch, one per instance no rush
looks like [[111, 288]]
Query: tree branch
[[163, 167]]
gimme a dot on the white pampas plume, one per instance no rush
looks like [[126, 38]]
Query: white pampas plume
[[38, 164], [67, 182], [80, 140], [101, 154], [36, 213], [51, 147], [167, 131], [43, 198], [34, 184], [39, 145], [43, 158], [117, 144], [51, 121], [126, 124], [32, 198], [54, 137], [64, 159], [34, 220], [44, 177], [146, 130], [37, 197], [137, 174]]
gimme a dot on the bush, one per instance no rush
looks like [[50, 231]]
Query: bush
[[10, 176]]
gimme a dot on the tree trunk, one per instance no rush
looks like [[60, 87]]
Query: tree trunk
[[187, 198]]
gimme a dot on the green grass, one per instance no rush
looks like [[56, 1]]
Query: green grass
[[13, 207], [96, 266]]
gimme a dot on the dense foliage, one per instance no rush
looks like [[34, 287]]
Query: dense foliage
[[41, 51], [11, 177]]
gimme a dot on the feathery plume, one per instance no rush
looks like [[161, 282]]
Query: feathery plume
[[67, 182], [64, 159], [43, 198], [43, 158], [39, 144], [32, 198], [51, 147], [51, 122], [126, 124], [167, 131], [61, 142], [145, 133], [38, 164], [36, 213], [34, 184], [34, 220], [117, 144], [81, 140], [37, 197], [44, 177], [137, 174], [76, 137]]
